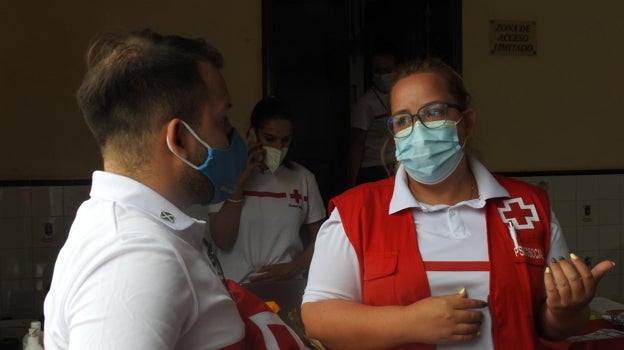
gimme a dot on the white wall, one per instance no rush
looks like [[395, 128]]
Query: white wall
[[561, 109]]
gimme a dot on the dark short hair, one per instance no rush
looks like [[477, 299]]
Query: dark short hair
[[137, 82], [267, 109]]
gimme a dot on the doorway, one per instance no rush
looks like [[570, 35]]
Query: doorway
[[316, 57]]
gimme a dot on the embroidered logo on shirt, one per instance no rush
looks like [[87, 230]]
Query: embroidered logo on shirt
[[520, 214], [167, 216]]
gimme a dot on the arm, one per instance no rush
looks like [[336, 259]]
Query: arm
[[224, 223], [345, 324], [570, 287], [135, 293], [356, 151]]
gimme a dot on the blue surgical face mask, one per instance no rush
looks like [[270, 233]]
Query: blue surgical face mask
[[222, 166], [430, 155]]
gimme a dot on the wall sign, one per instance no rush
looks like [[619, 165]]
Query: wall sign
[[513, 38]]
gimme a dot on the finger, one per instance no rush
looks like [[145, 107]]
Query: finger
[[552, 294], [601, 269], [560, 279], [467, 328], [469, 317], [572, 278]]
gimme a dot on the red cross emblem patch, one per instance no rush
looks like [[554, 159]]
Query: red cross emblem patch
[[521, 215]]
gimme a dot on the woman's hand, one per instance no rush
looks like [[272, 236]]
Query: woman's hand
[[570, 286], [275, 272], [448, 319]]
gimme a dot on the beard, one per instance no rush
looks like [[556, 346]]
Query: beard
[[198, 185]]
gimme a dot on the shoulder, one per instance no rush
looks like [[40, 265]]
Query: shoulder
[[512, 184]]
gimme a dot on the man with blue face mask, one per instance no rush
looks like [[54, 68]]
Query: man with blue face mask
[[369, 152], [134, 273]]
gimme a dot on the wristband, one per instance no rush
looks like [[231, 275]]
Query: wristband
[[234, 200]]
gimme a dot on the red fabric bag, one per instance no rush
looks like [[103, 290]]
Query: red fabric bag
[[264, 329]]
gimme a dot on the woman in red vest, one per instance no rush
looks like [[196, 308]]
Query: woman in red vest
[[444, 254]]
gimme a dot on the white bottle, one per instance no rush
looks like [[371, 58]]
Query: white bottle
[[33, 339]]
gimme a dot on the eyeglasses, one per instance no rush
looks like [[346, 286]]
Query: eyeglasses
[[432, 115]]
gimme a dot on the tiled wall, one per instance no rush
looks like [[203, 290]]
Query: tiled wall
[[34, 222], [590, 209]]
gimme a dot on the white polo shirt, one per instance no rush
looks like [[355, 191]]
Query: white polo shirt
[[276, 206], [370, 113], [133, 274], [445, 233]]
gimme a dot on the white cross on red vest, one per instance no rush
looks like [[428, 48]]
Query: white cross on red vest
[[521, 215]]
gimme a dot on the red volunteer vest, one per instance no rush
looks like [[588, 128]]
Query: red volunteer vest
[[393, 272]]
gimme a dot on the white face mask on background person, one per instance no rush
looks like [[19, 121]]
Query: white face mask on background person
[[274, 157], [430, 155]]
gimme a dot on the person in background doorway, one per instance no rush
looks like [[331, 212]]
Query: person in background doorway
[[134, 273], [370, 155], [257, 230], [444, 255]]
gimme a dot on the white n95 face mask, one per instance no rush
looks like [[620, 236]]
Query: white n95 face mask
[[274, 157]]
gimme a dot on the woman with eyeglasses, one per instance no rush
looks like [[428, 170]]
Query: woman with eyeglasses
[[445, 254]]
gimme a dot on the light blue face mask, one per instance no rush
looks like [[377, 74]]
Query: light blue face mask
[[222, 166], [430, 155]]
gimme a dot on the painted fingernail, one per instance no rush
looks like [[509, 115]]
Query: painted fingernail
[[553, 260], [462, 291], [573, 256], [561, 258], [547, 269]]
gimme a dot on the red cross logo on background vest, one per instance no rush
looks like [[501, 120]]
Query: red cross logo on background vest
[[297, 196], [518, 213]]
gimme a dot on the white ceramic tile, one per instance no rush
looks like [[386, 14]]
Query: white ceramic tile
[[587, 213], [587, 187], [73, 196], [565, 211], [15, 202], [610, 285], [49, 231], [610, 237], [610, 211], [47, 201], [43, 261], [587, 238], [16, 298], [563, 188], [614, 255], [16, 263], [611, 186], [15, 232]]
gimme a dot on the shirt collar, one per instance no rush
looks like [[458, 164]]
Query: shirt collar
[[113, 187], [488, 187]]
